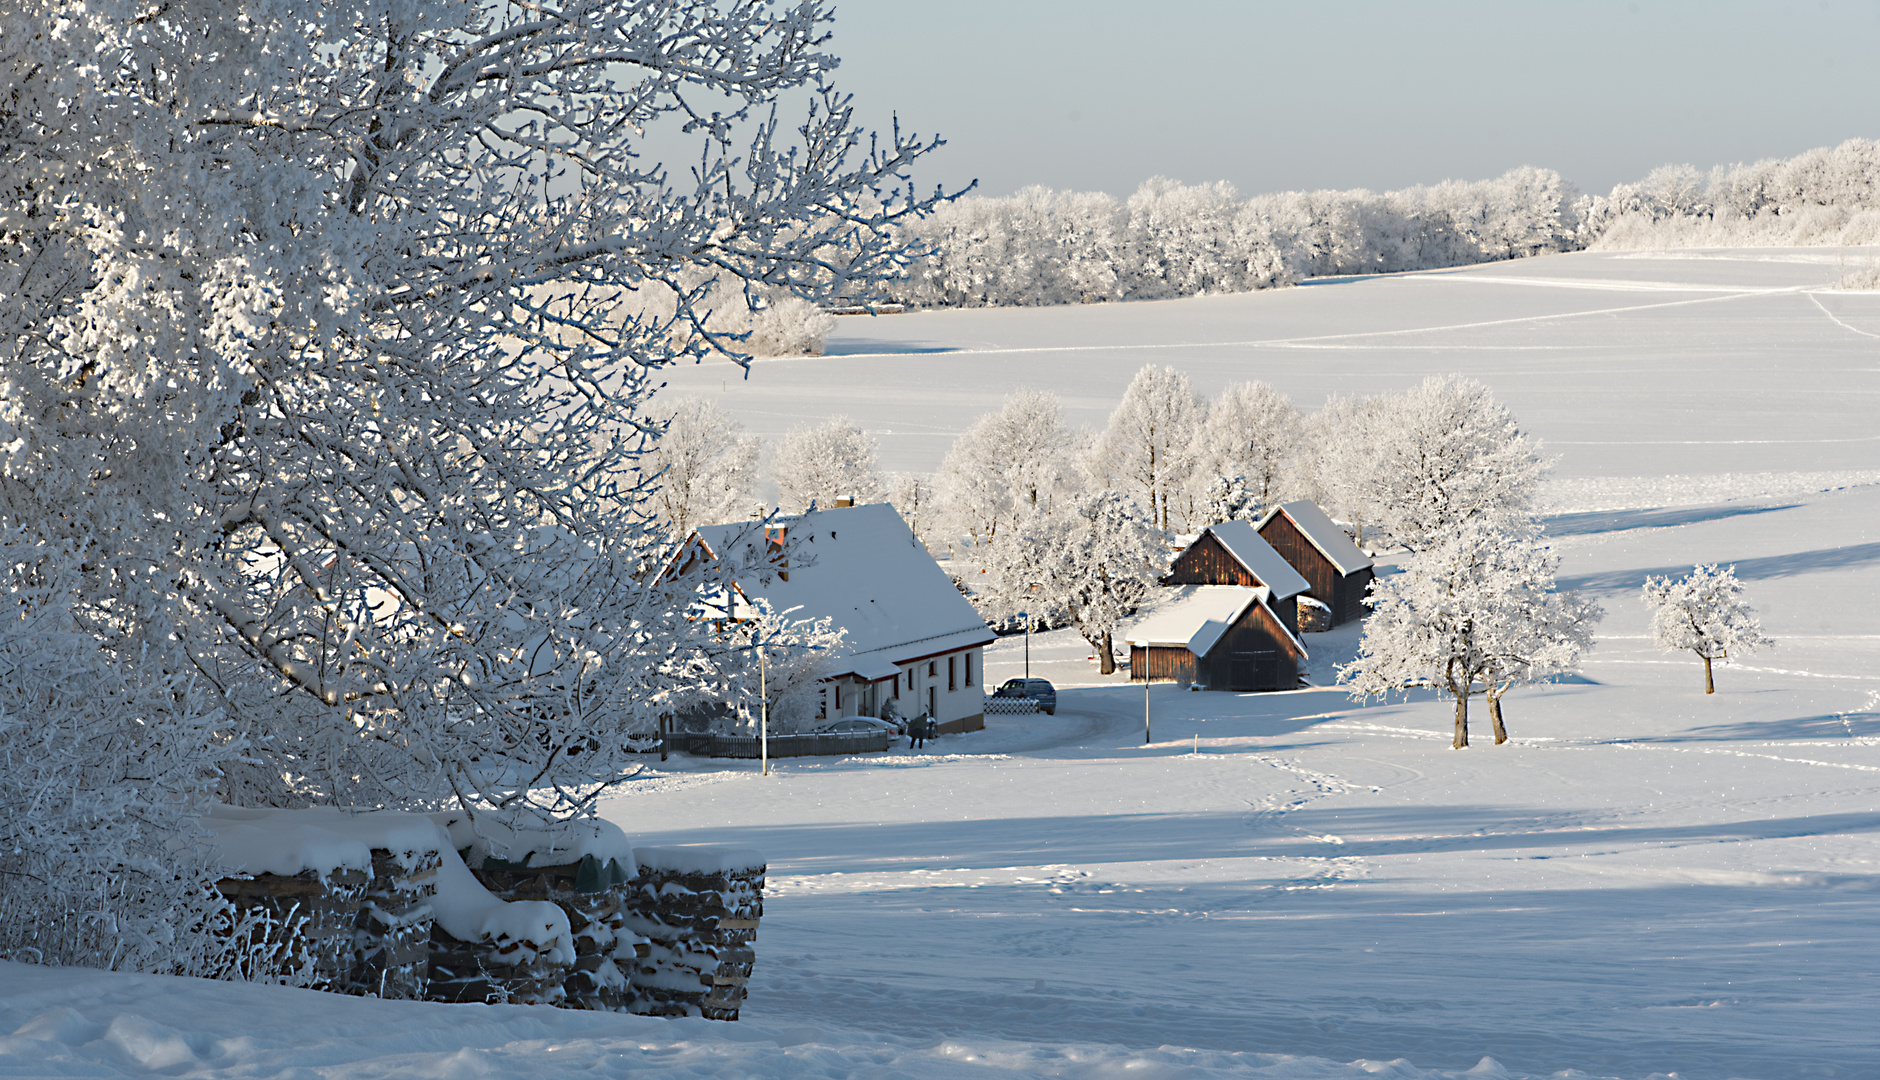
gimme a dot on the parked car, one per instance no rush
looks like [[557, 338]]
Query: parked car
[[850, 725], [1039, 689]]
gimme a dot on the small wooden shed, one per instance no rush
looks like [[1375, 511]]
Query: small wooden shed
[[1218, 637], [1233, 553], [1337, 573]]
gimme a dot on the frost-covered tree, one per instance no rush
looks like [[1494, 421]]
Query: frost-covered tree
[[1011, 464], [1251, 433], [313, 340], [912, 496], [1475, 615], [1704, 612], [1149, 448], [1337, 466], [1227, 498], [706, 465], [1093, 562], [823, 463], [1441, 454]]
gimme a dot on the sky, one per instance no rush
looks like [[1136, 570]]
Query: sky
[[1101, 95]]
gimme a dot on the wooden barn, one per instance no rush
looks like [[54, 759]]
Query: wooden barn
[[1232, 553], [1337, 573], [1217, 637]]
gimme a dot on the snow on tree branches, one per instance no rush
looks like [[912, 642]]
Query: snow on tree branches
[[823, 463], [320, 354], [1094, 562], [1703, 612], [1148, 450], [1475, 614]]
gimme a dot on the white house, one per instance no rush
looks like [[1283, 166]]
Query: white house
[[912, 640]]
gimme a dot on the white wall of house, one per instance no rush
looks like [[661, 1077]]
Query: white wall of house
[[954, 684]]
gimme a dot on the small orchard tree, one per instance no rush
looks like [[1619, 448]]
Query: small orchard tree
[[1536, 632], [1704, 612], [822, 463], [1474, 615]]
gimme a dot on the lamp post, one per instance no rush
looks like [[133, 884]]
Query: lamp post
[[1145, 712]]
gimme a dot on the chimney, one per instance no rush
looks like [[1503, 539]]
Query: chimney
[[776, 550]]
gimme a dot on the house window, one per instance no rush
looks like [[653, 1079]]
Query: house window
[[897, 688], [933, 668], [952, 664], [838, 697], [969, 669]]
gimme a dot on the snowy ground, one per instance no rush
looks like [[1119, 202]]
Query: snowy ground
[[1646, 881]]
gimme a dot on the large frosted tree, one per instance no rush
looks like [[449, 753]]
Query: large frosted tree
[[1090, 563], [318, 353], [1251, 434], [1475, 615], [705, 463], [821, 463], [1008, 465], [1148, 450]]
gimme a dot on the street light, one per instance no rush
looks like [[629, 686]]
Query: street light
[[1026, 615]]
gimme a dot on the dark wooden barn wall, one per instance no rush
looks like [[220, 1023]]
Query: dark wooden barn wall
[[1254, 654], [1207, 562], [1161, 663], [1343, 594]]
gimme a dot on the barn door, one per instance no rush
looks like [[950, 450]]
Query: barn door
[[1256, 670]]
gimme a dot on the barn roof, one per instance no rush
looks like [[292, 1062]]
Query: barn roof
[[861, 568], [1195, 616], [1245, 543], [1318, 529]]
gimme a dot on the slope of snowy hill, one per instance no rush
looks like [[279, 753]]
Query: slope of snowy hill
[[1624, 363], [1646, 881]]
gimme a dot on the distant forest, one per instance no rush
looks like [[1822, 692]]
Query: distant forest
[[1170, 239]]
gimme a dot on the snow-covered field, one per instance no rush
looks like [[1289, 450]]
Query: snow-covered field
[[1645, 881]]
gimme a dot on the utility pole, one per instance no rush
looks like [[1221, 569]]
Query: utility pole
[[763, 712]]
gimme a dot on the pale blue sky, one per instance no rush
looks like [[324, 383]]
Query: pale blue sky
[[1100, 95]]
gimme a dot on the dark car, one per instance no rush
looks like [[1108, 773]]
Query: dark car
[[1039, 689]]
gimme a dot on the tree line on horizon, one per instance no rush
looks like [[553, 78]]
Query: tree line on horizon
[[1040, 246]]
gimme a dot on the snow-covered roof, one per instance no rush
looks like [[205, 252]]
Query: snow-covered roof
[[1245, 543], [1195, 616], [861, 568], [1332, 541]]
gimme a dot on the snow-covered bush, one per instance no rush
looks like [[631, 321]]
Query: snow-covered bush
[[790, 326], [106, 764], [1704, 612]]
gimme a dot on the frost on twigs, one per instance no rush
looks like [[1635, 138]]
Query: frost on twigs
[[1703, 612], [1476, 614], [319, 362]]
